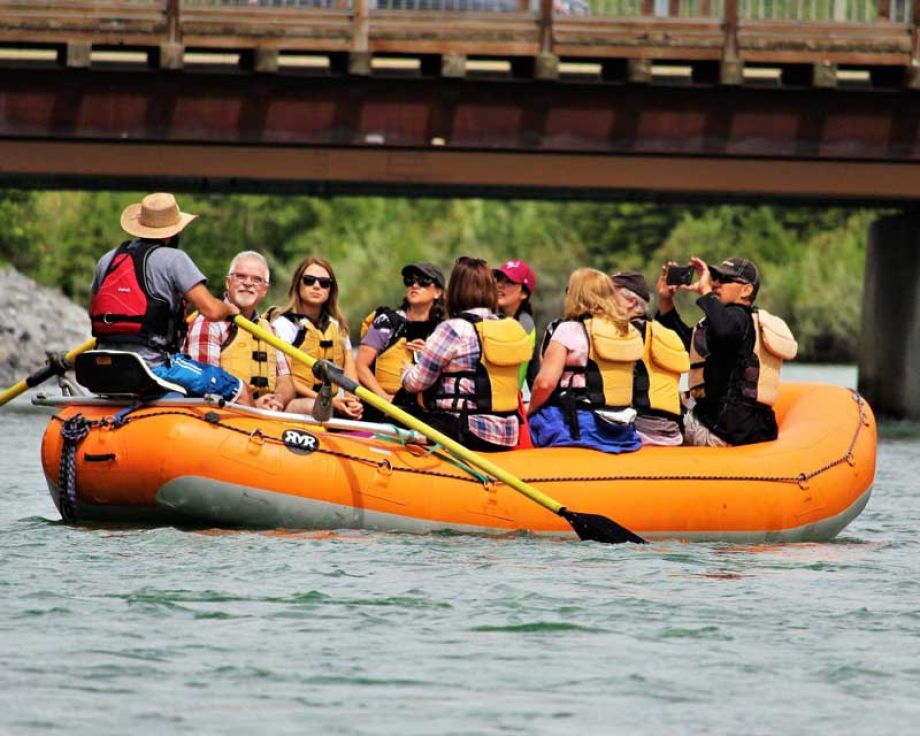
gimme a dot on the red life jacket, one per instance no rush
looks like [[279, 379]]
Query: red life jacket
[[124, 310]]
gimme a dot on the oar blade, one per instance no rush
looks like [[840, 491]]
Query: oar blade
[[597, 528]]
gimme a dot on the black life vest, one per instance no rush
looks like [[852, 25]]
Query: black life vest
[[123, 309]]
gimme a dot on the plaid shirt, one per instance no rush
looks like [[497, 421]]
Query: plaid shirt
[[205, 339], [453, 346]]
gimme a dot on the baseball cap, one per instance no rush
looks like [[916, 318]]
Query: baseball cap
[[737, 269], [519, 273], [426, 269], [634, 281]]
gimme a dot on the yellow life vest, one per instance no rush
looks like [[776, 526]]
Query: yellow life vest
[[758, 370], [322, 344], [657, 380], [503, 346], [249, 359], [611, 360], [388, 365]]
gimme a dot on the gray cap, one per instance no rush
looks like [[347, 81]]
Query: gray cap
[[633, 281]]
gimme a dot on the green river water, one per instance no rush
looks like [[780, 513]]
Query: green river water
[[150, 631]]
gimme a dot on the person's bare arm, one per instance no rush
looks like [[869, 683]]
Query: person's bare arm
[[207, 304], [365, 358], [548, 378]]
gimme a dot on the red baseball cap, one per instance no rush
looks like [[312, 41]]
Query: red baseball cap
[[519, 272]]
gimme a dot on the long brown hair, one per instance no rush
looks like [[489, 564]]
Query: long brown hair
[[470, 285], [331, 307], [591, 292]]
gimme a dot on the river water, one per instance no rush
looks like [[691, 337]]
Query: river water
[[115, 631]]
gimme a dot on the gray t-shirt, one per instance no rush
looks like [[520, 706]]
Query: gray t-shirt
[[170, 274]]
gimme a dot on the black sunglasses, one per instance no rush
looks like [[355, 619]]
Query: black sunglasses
[[323, 281], [423, 281], [722, 279]]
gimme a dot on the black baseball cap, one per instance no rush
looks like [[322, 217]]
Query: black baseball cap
[[737, 269], [426, 269]]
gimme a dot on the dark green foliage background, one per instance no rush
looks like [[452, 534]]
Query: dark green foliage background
[[811, 260]]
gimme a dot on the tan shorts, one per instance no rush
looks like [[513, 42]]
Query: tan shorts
[[697, 435]]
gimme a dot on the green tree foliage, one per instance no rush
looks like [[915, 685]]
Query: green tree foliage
[[812, 260]]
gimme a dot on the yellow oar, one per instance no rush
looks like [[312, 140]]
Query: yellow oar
[[56, 366], [587, 526]]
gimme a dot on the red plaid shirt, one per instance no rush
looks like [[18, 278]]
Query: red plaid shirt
[[453, 346], [205, 339]]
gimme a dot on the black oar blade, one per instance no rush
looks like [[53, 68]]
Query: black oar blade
[[596, 528]]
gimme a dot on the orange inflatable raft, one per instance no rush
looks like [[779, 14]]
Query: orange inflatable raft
[[190, 462]]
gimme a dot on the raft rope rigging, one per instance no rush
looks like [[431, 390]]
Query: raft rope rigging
[[77, 427], [72, 432]]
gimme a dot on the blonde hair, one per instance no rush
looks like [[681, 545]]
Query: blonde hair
[[591, 292]]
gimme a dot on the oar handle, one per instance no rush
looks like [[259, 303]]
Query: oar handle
[[395, 412], [55, 366]]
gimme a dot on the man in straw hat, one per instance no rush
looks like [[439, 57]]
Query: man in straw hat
[[140, 294]]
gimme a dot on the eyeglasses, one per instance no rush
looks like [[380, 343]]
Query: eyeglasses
[[423, 281], [323, 281], [245, 278]]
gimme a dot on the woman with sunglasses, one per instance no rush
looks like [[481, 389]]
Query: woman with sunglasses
[[393, 337], [468, 369], [312, 321], [516, 282]]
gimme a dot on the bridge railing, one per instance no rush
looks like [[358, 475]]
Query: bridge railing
[[840, 11], [717, 37]]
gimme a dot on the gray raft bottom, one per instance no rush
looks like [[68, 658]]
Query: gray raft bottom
[[196, 501]]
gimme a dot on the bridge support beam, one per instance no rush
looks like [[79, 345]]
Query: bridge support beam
[[889, 362]]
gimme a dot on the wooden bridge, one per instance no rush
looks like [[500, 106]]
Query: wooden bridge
[[785, 99]]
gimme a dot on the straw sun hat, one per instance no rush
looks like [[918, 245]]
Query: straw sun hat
[[156, 216]]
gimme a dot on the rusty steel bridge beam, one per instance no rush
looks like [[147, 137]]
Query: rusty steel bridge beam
[[300, 133]]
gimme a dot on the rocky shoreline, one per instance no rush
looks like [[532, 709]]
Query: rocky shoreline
[[36, 319]]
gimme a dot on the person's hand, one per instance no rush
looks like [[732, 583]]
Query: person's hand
[[665, 290], [703, 283], [232, 310], [416, 345], [270, 402], [348, 405]]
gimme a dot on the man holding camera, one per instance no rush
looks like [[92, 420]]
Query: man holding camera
[[731, 406]]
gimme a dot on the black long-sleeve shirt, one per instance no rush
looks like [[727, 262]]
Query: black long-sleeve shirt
[[729, 337]]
